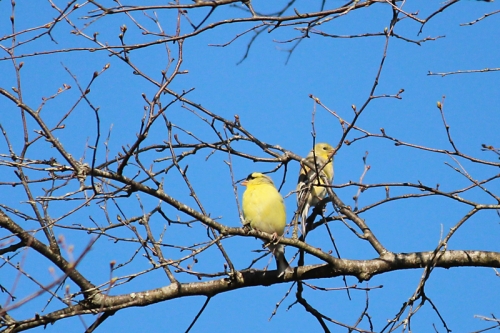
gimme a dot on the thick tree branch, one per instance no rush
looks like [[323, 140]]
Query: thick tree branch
[[361, 269]]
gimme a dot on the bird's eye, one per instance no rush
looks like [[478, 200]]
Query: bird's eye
[[250, 176]]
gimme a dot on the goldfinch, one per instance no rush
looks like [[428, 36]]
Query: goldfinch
[[264, 210], [309, 195]]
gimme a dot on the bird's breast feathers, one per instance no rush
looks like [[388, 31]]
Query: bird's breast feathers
[[264, 209]]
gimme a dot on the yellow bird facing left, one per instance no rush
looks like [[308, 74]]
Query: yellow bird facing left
[[264, 210], [309, 195]]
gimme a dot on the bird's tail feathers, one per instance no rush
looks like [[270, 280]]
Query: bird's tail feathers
[[303, 216], [303, 204], [278, 251]]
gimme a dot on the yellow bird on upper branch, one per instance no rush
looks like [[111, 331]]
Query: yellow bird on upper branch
[[311, 183]]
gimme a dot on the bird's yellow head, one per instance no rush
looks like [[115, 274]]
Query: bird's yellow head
[[256, 178], [324, 150]]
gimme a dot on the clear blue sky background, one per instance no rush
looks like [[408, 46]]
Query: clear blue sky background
[[270, 96]]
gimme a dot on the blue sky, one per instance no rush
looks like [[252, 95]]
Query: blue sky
[[271, 97]]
